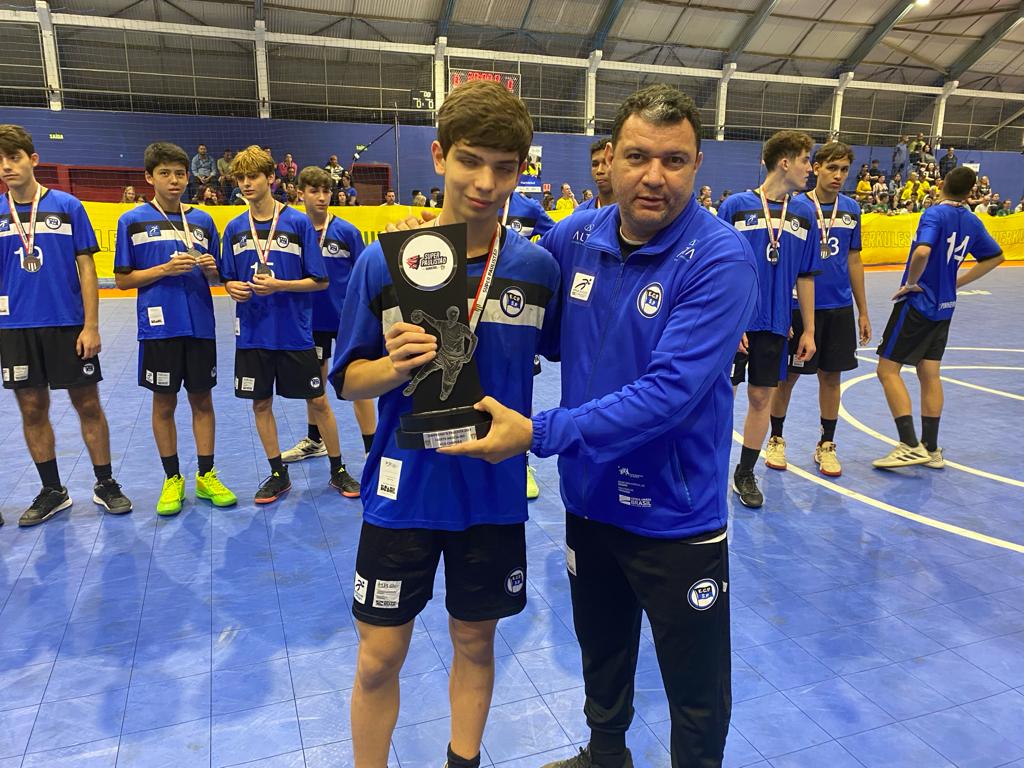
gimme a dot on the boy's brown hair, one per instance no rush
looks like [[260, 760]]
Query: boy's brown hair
[[313, 176], [252, 160], [834, 150], [485, 114], [959, 182], [785, 144], [163, 153], [14, 138]]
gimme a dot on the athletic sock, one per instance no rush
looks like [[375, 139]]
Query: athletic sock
[[102, 471], [367, 442], [777, 425], [828, 430], [48, 473], [205, 463], [276, 465], [313, 433], [171, 466], [905, 426], [457, 761], [930, 432], [336, 464], [748, 458], [607, 750]]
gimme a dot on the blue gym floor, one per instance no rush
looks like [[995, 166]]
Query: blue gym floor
[[863, 634]]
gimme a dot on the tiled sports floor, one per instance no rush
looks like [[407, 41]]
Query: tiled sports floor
[[220, 638]]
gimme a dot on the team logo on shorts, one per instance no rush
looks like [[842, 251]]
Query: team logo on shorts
[[847, 220], [213, 372], [282, 241], [89, 369], [794, 224], [516, 225], [649, 300], [513, 302], [153, 230], [515, 582], [314, 382], [359, 590], [703, 594], [53, 222]]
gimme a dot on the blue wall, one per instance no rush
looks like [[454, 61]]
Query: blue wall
[[119, 138]]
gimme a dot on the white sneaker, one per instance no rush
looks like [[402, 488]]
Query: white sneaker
[[936, 462], [826, 459], [304, 449], [903, 456], [775, 453]]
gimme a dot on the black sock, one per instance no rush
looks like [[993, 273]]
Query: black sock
[[335, 464], [748, 458], [48, 473], [171, 466], [930, 432], [367, 442], [828, 430], [103, 472], [905, 426], [276, 465], [205, 463], [777, 425], [607, 750], [457, 761], [313, 433]]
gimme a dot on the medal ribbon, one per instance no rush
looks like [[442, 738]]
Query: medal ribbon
[[323, 235], [477, 310], [261, 252], [821, 217], [774, 238], [187, 236], [28, 240]]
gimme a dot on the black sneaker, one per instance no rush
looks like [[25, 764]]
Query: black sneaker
[[272, 488], [345, 484], [48, 503], [584, 760], [744, 484], [107, 493]]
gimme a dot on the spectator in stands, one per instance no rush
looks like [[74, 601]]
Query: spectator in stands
[[288, 169], [587, 195], [350, 197], [412, 197], [948, 162], [874, 172], [208, 195], [864, 171], [931, 173], [984, 188], [1020, 206], [879, 185], [340, 198], [1004, 208], [224, 171], [389, 198], [723, 197], [900, 157], [436, 198], [129, 196], [567, 201], [994, 204], [882, 204], [917, 149], [335, 170], [420, 200], [291, 192], [204, 169], [863, 188], [914, 191], [548, 202], [350, 190], [928, 154]]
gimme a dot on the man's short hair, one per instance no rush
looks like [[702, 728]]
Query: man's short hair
[[834, 150], [599, 145], [14, 138], [785, 144], [659, 104], [484, 114], [252, 160], [163, 153], [313, 176]]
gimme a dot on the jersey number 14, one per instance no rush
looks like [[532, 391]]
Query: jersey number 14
[[956, 251]]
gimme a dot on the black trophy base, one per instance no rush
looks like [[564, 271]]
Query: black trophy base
[[437, 429]]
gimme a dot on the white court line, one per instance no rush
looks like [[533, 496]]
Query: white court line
[[967, 533], [959, 349], [968, 384]]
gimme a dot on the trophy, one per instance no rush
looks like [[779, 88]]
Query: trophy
[[428, 270]]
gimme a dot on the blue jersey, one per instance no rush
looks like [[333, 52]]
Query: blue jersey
[[282, 320], [832, 287], [527, 217], [645, 424], [45, 290], [342, 245], [425, 489], [177, 305], [952, 232], [799, 253], [587, 205]]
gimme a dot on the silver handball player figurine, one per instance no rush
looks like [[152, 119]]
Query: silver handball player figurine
[[455, 347]]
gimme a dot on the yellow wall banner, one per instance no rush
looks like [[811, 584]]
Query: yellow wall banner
[[886, 239]]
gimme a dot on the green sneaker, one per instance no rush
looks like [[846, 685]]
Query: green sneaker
[[171, 496], [210, 487]]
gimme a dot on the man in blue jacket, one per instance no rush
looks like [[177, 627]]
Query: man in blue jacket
[[656, 293]]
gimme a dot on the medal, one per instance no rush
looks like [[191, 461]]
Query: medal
[[195, 253], [774, 238], [773, 254], [30, 262], [263, 269], [185, 235], [826, 252], [263, 254]]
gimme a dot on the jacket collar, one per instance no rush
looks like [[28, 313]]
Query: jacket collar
[[604, 234]]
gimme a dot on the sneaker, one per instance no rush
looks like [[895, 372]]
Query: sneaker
[[304, 449], [775, 453], [210, 487], [171, 496], [345, 484], [903, 456], [826, 459], [745, 485], [532, 489], [272, 488], [107, 493], [584, 760], [935, 461], [48, 503]]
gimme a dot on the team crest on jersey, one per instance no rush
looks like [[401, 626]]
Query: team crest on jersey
[[53, 222], [513, 302], [847, 219], [794, 224], [153, 230], [333, 249], [198, 234], [703, 594], [517, 225], [282, 241], [649, 300]]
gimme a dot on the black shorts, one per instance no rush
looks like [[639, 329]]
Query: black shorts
[[295, 372], [835, 339], [164, 364], [910, 337], [323, 344], [484, 571], [765, 357], [45, 357]]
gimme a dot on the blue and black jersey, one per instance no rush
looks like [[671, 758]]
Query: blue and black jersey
[[342, 246], [527, 217], [832, 287]]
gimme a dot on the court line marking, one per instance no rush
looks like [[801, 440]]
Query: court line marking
[[956, 530], [959, 349], [969, 384]]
